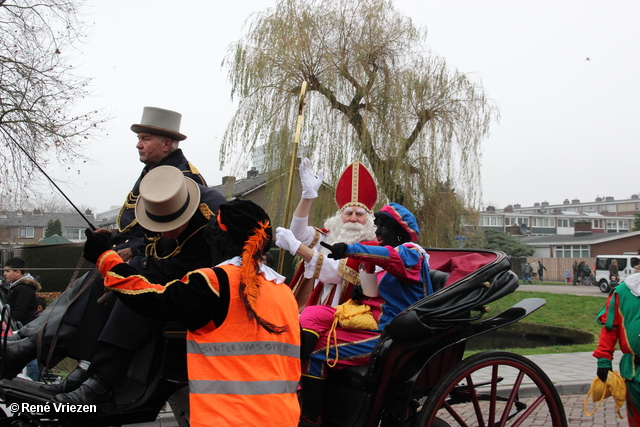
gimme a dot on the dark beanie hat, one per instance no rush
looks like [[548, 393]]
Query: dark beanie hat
[[241, 218]]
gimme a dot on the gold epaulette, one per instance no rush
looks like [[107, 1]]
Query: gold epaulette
[[205, 210], [193, 169]]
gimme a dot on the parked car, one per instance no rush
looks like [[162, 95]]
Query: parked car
[[625, 267]]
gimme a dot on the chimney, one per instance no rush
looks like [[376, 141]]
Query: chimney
[[566, 202], [508, 208], [575, 201], [582, 227], [608, 199], [491, 208], [598, 199], [536, 205], [634, 197], [252, 173], [544, 204], [228, 180], [517, 206]]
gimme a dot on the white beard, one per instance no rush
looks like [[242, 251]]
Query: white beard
[[349, 232]]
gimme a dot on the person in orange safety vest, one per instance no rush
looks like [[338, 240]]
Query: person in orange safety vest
[[243, 339]]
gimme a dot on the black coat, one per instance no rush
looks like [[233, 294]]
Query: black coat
[[22, 299]]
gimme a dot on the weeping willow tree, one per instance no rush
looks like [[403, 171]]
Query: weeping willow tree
[[374, 94]]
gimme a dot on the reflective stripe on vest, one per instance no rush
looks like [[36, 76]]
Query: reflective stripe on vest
[[243, 348], [239, 364], [242, 387]]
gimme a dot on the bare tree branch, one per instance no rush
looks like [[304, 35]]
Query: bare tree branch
[[39, 91]]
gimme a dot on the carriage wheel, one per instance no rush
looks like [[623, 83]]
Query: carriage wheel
[[494, 388]]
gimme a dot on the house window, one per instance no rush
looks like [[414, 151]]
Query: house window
[[74, 233], [574, 209], [617, 225], [491, 221], [572, 251], [542, 222], [516, 221], [25, 232], [565, 222]]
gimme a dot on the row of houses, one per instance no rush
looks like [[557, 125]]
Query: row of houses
[[572, 229], [26, 228]]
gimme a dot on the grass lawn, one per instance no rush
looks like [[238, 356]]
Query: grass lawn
[[569, 311]]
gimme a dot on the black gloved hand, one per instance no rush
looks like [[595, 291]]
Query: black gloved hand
[[338, 250], [603, 373], [96, 245], [356, 293]]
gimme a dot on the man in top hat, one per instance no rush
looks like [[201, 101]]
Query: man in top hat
[[158, 145], [319, 279], [241, 302]]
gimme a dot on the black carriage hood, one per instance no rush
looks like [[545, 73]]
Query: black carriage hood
[[488, 281]]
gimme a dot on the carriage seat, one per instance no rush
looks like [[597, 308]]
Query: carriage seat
[[438, 279]]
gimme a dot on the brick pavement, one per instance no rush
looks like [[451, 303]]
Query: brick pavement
[[605, 415]]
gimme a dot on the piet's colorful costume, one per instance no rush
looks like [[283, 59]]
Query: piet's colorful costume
[[403, 280], [333, 280], [621, 323]]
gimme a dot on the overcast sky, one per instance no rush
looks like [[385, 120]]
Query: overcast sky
[[564, 75]]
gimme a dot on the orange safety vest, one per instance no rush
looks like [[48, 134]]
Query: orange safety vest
[[240, 374]]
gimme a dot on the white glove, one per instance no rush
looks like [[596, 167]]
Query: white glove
[[310, 183], [286, 240]]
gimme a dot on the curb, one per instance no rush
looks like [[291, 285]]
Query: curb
[[564, 389]]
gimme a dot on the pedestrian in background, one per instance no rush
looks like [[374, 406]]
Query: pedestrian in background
[[614, 274], [534, 269], [526, 273], [541, 269]]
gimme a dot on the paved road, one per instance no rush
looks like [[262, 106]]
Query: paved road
[[564, 289]]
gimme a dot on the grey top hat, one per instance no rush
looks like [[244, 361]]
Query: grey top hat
[[168, 199], [159, 121]]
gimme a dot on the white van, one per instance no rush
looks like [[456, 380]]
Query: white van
[[625, 267]]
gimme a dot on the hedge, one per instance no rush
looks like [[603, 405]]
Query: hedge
[[55, 264]]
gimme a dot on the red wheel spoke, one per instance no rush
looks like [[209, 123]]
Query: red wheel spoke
[[524, 415], [474, 398], [455, 415], [494, 394], [512, 397]]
